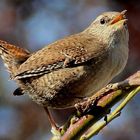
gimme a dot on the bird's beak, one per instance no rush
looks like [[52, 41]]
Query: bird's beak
[[119, 17]]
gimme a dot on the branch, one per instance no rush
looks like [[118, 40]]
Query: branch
[[96, 107], [116, 113]]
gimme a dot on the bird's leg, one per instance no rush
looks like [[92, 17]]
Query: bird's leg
[[51, 120], [80, 97]]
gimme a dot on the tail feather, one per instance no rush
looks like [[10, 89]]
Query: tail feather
[[12, 56]]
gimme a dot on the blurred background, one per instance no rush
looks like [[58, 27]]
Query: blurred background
[[34, 23]]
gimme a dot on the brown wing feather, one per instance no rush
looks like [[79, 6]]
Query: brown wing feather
[[68, 52]]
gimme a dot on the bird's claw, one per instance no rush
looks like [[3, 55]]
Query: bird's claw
[[56, 131]]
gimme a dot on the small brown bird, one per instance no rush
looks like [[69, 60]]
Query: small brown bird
[[64, 72]]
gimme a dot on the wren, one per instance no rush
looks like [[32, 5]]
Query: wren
[[64, 72]]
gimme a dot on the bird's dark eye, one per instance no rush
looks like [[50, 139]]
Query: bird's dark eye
[[102, 21]]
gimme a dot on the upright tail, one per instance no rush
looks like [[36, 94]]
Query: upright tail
[[12, 56]]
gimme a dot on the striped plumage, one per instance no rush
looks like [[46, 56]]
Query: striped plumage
[[12, 56]]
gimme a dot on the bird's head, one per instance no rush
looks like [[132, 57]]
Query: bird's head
[[109, 25]]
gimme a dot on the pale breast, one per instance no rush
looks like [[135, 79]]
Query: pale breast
[[119, 53]]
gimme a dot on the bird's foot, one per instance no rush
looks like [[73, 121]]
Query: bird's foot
[[56, 131], [82, 107]]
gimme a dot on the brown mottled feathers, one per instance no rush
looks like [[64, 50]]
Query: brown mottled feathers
[[12, 56], [18, 53], [68, 52]]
